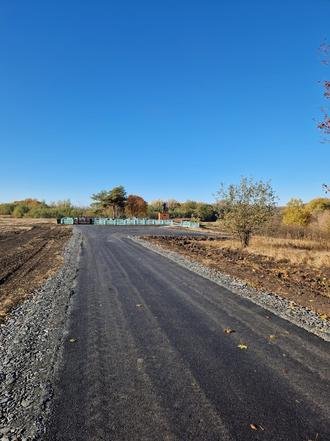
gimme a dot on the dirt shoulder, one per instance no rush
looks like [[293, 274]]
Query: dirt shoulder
[[301, 284], [31, 343], [29, 254]]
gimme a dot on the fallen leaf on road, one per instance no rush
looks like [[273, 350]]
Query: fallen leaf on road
[[72, 340], [228, 330], [256, 427], [272, 337], [315, 439], [242, 346]]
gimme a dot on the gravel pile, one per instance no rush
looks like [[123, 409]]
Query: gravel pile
[[280, 306], [30, 346]]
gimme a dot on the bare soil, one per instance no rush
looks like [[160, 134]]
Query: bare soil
[[302, 284], [30, 252]]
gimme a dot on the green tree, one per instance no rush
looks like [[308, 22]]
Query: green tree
[[155, 207], [114, 199], [174, 208], [247, 207], [206, 212], [189, 208], [118, 199], [20, 210], [101, 201], [6, 209], [296, 213]]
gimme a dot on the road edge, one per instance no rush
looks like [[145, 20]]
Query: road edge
[[31, 341], [298, 315]]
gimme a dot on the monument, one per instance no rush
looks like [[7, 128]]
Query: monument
[[164, 215]]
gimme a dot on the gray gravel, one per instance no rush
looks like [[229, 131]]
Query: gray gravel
[[30, 345], [284, 308]]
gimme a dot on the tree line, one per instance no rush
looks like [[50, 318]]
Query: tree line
[[243, 209], [114, 203]]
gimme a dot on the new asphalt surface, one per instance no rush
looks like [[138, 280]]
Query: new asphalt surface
[[147, 358]]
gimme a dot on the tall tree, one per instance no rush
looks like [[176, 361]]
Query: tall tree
[[174, 208], [101, 200], [118, 198], [113, 199], [155, 207]]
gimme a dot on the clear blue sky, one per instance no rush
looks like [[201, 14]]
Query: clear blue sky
[[168, 98]]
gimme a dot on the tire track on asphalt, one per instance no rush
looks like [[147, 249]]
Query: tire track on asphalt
[[211, 306], [254, 368], [194, 416], [166, 371], [118, 403]]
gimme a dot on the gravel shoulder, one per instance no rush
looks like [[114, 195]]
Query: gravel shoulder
[[30, 344], [284, 308]]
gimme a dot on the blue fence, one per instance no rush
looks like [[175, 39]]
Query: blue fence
[[67, 221], [131, 221]]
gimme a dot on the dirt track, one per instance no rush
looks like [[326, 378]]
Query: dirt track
[[29, 254]]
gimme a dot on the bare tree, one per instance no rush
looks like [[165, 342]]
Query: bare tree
[[324, 125]]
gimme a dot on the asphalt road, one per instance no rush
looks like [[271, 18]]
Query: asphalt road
[[149, 360]]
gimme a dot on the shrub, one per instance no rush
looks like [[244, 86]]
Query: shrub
[[20, 210], [296, 213], [6, 209], [206, 212], [247, 207], [318, 204]]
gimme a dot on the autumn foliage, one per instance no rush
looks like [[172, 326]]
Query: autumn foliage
[[136, 206]]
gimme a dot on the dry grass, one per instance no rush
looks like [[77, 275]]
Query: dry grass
[[9, 224], [312, 253], [7, 220], [297, 269]]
